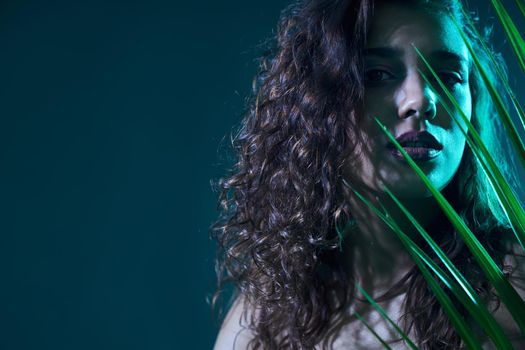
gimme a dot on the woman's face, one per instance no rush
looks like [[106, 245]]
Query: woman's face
[[397, 94]]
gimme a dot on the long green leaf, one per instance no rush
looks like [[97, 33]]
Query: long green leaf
[[508, 295], [452, 312], [459, 287], [422, 261], [387, 318], [468, 298], [509, 201], [341, 233], [515, 39], [498, 101], [521, 6], [371, 329], [504, 193], [515, 103]]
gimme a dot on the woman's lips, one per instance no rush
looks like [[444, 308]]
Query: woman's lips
[[418, 154], [420, 146]]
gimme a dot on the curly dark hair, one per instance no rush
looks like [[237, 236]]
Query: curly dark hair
[[284, 201]]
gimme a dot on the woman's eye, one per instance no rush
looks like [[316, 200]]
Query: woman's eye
[[450, 79], [375, 75]]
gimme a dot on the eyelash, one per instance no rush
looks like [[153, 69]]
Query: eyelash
[[367, 73], [448, 78]]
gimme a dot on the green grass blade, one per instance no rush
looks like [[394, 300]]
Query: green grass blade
[[360, 318], [508, 199], [469, 297], [422, 261], [459, 286], [515, 103], [492, 328], [506, 196], [457, 321], [387, 318], [515, 39], [508, 295], [521, 6], [498, 102], [341, 233]]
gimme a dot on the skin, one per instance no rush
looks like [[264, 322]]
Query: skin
[[397, 94], [400, 98]]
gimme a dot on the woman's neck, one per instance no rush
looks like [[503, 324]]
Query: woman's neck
[[375, 254]]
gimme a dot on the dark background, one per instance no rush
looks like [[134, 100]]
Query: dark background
[[113, 114]]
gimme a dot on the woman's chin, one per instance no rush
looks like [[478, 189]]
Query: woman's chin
[[413, 187]]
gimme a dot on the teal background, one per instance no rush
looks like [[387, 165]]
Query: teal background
[[115, 115]]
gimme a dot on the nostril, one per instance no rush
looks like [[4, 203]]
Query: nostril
[[416, 98], [426, 110], [431, 111], [409, 113]]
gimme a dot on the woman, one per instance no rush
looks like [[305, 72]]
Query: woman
[[310, 139]]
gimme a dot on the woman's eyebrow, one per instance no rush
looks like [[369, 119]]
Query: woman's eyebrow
[[382, 52], [446, 55], [438, 55]]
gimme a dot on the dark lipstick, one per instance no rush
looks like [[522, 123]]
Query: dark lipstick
[[420, 146]]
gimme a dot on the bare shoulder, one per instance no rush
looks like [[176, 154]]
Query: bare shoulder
[[516, 261], [234, 334]]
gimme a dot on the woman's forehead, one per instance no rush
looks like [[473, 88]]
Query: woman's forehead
[[401, 27]]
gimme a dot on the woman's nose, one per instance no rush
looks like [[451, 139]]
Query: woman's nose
[[416, 98]]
